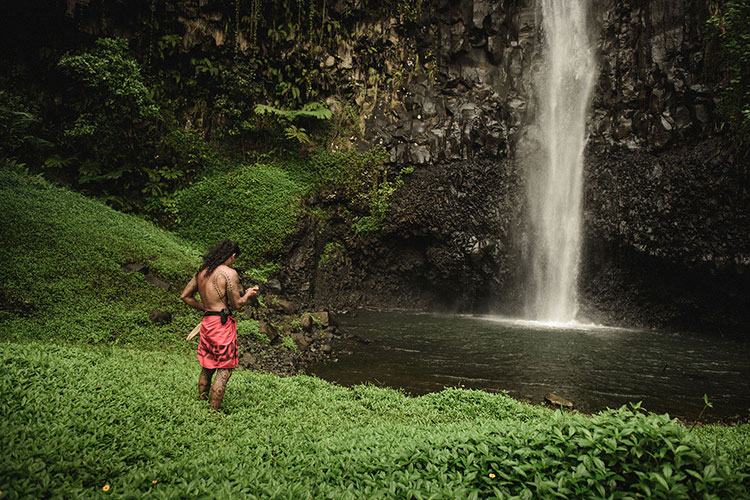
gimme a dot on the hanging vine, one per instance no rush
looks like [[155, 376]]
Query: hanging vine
[[151, 37], [236, 26], [299, 13], [311, 16], [255, 10], [322, 23]]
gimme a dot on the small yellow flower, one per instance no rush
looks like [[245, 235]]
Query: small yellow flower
[[492, 476], [153, 482], [105, 487]]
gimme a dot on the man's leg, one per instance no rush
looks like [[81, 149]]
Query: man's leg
[[219, 386], [204, 383]]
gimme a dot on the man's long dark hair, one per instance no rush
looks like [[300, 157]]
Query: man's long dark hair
[[217, 255]]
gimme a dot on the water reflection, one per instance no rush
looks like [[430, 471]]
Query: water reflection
[[595, 367]]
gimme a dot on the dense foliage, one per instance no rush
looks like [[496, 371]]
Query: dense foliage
[[104, 134], [258, 204], [112, 118], [728, 44], [133, 101], [81, 423], [62, 275]]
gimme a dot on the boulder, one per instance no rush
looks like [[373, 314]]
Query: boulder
[[269, 330], [301, 341], [134, 267], [284, 306], [273, 285], [321, 317], [248, 360], [160, 317], [306, 322], [556, 400], [157, 282]]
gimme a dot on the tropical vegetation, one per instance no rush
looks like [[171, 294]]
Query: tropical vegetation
[[123, 157]]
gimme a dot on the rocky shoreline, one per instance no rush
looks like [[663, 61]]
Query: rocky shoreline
[[288, 338]]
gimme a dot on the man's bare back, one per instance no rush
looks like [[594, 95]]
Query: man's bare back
[[219, 290], [216, 289]]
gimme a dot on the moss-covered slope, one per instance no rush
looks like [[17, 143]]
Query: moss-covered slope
[[62, 277], [256, 205]]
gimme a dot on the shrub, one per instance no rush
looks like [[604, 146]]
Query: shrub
[[20, 130], [113, 122], [255, 205], [331, 251], [288, 344], [249, 328], [117, 142]]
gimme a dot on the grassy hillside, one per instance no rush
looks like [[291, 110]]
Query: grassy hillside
[[82, 422], [61, 275]]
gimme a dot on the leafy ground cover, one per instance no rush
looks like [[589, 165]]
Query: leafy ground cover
[[86, 422], [61, 275]]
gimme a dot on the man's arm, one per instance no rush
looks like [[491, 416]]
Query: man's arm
[[236, 299], [188, 294]]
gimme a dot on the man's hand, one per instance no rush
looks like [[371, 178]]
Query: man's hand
[[239, 300]]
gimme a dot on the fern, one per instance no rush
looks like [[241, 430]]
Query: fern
[[299, 134], [58, 161]]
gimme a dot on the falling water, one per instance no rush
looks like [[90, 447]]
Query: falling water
[[563, 86]]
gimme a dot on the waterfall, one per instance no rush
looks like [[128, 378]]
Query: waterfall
[[563, 86]]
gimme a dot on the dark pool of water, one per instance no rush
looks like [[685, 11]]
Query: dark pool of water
[[594, 367]]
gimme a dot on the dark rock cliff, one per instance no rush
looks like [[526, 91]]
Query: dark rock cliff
[[666, 202], [448, 89]]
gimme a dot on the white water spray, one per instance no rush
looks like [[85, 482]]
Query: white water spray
[[564, 85]]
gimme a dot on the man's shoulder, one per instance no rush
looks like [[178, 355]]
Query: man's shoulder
[[226, 270], [222, 271]]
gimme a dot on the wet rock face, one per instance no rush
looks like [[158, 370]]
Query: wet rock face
[[445, 244], [620, 286], [476, 98], [668, 239], [459, 220], [684, 205], [649, 95]]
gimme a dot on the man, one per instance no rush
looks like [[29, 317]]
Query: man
[[219, 289]]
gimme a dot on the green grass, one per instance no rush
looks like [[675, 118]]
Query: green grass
[[74, 419], [61, 274]]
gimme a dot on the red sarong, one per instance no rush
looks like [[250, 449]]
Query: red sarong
[[218, 344]]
